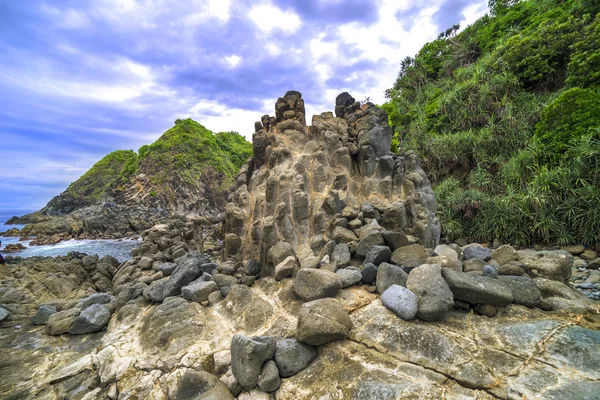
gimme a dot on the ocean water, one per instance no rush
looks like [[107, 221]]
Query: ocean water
[[119, 249]]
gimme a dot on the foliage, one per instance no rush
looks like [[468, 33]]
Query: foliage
[[504, 116]]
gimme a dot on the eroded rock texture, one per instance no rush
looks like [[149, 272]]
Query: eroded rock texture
[[307, 181]]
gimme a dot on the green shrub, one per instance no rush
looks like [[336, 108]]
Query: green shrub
[[583, 68]]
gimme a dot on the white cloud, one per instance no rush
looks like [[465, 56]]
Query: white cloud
[[233, 60], [269, 17], [228, 119]]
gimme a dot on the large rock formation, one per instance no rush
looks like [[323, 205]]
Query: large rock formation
[[326, 181]]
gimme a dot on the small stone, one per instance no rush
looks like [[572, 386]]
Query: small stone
[[248, 355], [285, 268], [490, 271], [477, 251], [511, 269], [350, 276], [248, 280], [291, 356], [401, 301], [268, 380], [42, 315], [312, 284]]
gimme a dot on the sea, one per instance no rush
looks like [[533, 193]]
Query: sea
[[118, 248]]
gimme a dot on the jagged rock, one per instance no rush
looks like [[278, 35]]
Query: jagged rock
[[435, 297], [555, 265], [343, 235], [477, 289], [401, 301], [285, 268], [291, 356], [312, 284], [369, 273], [280, 252], [523, 288], [322, 321], [166, 268], [367, 243], [341, 255], [477, 251], [96, 298], [378, 255], [474, 264], [60, 322], [268, 380], [188, 270], [248, 355], [349, 276], [395, 240], [199, 290], [42, 315], [252, 267], [92, 319], [4, 314], [505, 254], [155, 292], [200, 385], [388, 275], [410, 256]]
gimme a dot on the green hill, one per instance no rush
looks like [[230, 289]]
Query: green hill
[[506, 118]]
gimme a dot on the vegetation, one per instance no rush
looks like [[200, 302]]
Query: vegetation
[[506, 118]]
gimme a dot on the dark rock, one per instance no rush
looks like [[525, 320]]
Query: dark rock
[[378, 255], [252, 267], [96, 298], [198, 290], [395, 240], [248, 355], [60, 322], [4, 314], [524, 290], [487, 310], [477, 289], [343, 235], [188, 270], [367, 243], [291, 356], [388, 275], [341, 255], [285, 268], [435, 297], [224, 281], [156, 291], [42, 315], [268, 380], [477, 251], [312, 284], [490, 271], [322, 321], [369, 273], [209, 268], [200, 385], [280, 252], [401, 301], [92, 319], [166, 268], [410, 256]]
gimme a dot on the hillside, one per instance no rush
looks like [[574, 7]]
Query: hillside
[[506, 118], [187, 170]]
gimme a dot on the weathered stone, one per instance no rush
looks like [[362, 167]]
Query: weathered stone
[[378, 255], [555, 265], [199, 290], [589, 255], [92, 319], [4, 314], [349, 276], [232, 245], [505, 254], [285, 268], [401, 301], [145, 263], [60, 322], [594, 264], [447, 251], [42, 315], [512, 268], [96, 298], [395, 240], [188, 270], [224, 281], [487, 310], [248, 355], [388, 275], [341, 255], [489, 271], [200, 385], [367, 243], [477, 251], [343, 235], [310, 262], [166, 268], [322, 321], [410, 256], [523, 288], [268, 380], [369, 273], [435, 297], [575, 249], [312, 284], [473, 264], [155, 291], [280, 252], [252, 267], [477, 289], [291, 356]]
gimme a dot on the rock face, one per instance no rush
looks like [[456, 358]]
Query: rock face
[[301, 178]]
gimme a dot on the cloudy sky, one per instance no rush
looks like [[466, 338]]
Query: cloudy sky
[[81, 78]]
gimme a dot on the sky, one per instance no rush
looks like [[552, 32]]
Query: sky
[[82, 78]]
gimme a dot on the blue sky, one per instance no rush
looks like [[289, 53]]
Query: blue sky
[[81, 78]]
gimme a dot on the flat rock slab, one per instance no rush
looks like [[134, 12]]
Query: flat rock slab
[[476, 289]]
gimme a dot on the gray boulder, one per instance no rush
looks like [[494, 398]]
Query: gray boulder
[[166, 268], [96, 298], [156, 291], [252, 267], [268, 380], [477, 289], [60, 322], [505, 254], [311, 284], [310, 262], [556, 265], [401, 301], [378, 255], [369, 273], [366, 243], [477, 251], [248, 355], [322, 321], [447, 251], [280, 252], [285, 268], [388, 275], [92, 319], [489, 271], [341, 255], [188, 270], [200, 385], [4, 314], [42, 315], [395, 240], [199, 290], [224, 281], [343, 235], [435, 297], [350, 276], [291, 356], [410, 256], [524, 290]]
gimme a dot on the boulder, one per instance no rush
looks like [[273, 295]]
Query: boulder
[[312, 284], [523, 288], [92, 319], [322, 321], [166, 268], [199, 290], [555, 265], [505, 254], [280, 252], [268, 380], [589, 255], [388, 275], [489, 271], [395, 240], [512, 268], [42, 315], [341, 255], [378, 255], [477, 251], [60, 322], [435, 297], [96, 298], [145, 263], [188, 270], [369, 273], [575, 250], [349, 276], [248, 355], [410, 256], [401, 301], [310, 262], [291, 356], [224, 281], [477, 289], [155, 292], [252, 267], [343, 235], [474, 264], [594, 264], [200, 385], [366, 243], [4, 314], [285, 268], [447, 251]]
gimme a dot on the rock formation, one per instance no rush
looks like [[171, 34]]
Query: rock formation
[[333, 181]]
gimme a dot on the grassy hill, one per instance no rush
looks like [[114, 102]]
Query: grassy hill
[[506, 118]]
